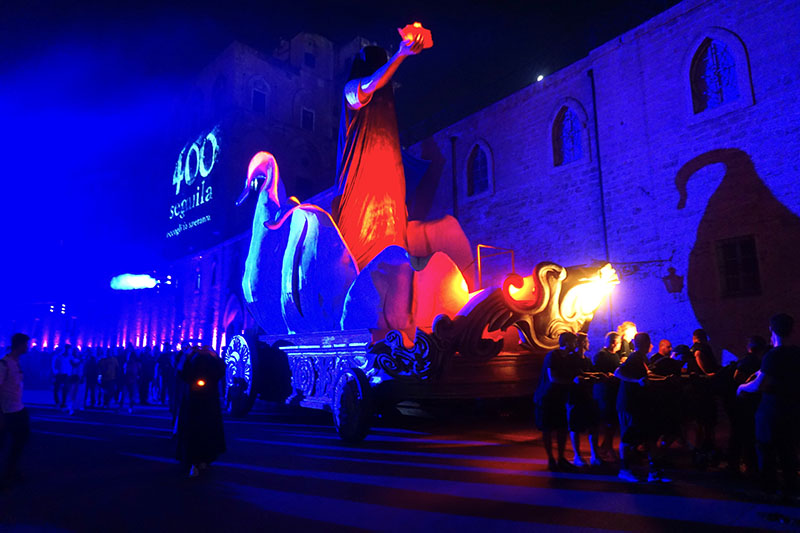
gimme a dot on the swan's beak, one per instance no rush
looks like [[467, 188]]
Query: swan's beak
[[245, 193]]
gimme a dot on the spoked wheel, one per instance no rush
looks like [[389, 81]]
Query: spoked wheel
[[239, 397], [353, 405]]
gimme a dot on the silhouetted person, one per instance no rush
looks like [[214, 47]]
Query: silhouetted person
[[605, 391], [581, 407], [165, 372], [60, 367], [705, 364], [109, 370], [148, 369], [742, 409], [550, 400], [131, 373], [90, 375], [667, 397], [201, 435], [635, 414], [777, 415], [74, 376], [16, 420]]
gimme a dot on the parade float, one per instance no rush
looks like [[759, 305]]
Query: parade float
[[406, 326], [360, 308]]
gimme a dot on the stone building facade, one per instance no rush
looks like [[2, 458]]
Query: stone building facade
[[672, 151], [286, 102]]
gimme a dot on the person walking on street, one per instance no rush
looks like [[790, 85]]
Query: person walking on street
[[131, 374], [60, 373], [200, 432], [14, 418]]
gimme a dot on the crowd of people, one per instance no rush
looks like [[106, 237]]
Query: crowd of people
[[189, 380], [107, 378], [673, 397]]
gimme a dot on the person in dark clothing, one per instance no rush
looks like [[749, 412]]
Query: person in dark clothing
[[742, 409], [777, 432], [705, 408], [90, 374], [61, 375], [16, 421], [180, 387], [666, 396], [148, 371], [165, 372], [581, 407], [201, 435], [703, 354], [664, 351], [550, 400], [605, 392], [635, 415], [131, 372]]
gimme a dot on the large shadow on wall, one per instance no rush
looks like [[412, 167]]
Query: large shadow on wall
[[745, 263]]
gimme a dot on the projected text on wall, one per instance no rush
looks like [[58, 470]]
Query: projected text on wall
[[193, 184]]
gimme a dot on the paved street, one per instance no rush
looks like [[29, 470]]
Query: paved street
[[288, 471]]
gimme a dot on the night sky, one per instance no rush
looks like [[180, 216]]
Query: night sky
[[86, 88]]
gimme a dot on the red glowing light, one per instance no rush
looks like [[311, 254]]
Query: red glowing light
[[201, 383], [410, 31]]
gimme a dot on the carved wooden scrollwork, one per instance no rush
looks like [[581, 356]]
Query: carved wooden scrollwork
[[418, 363], [552, 300]]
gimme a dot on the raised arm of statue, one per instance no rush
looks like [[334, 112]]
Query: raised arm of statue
[[359, 92]]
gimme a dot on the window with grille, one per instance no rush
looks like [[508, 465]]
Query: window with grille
[[738, 267], [567, 132], [477, 171], [713, 76]]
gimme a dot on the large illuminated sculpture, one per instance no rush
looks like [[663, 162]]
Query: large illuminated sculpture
[[298, 269], [398, 320]]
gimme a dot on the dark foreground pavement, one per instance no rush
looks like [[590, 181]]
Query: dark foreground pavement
[[288, 471]]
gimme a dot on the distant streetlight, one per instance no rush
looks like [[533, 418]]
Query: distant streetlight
[[539, 77]]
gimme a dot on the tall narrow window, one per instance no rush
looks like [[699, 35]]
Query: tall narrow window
[[259, 102], [738, 267], [477, 171], [307, 119], [713, 76], [567, 146]]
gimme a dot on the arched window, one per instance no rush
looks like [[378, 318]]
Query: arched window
[[477, 171], [567, 137], [260, 91], [713, 76]]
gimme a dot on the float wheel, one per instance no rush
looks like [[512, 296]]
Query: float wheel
[[353, 405]]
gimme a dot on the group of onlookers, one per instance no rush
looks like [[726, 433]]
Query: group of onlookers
[[106, 377], [190, 379], [655, 399]]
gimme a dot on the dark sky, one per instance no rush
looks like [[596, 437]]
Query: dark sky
[[85, 89]]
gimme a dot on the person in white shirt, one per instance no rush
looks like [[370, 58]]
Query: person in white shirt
[[16, 420]]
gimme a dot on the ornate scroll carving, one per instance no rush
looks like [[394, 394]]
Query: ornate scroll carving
[[418, 363], [552, 300]]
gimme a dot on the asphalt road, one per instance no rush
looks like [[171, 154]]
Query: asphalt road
[[288, 471]]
